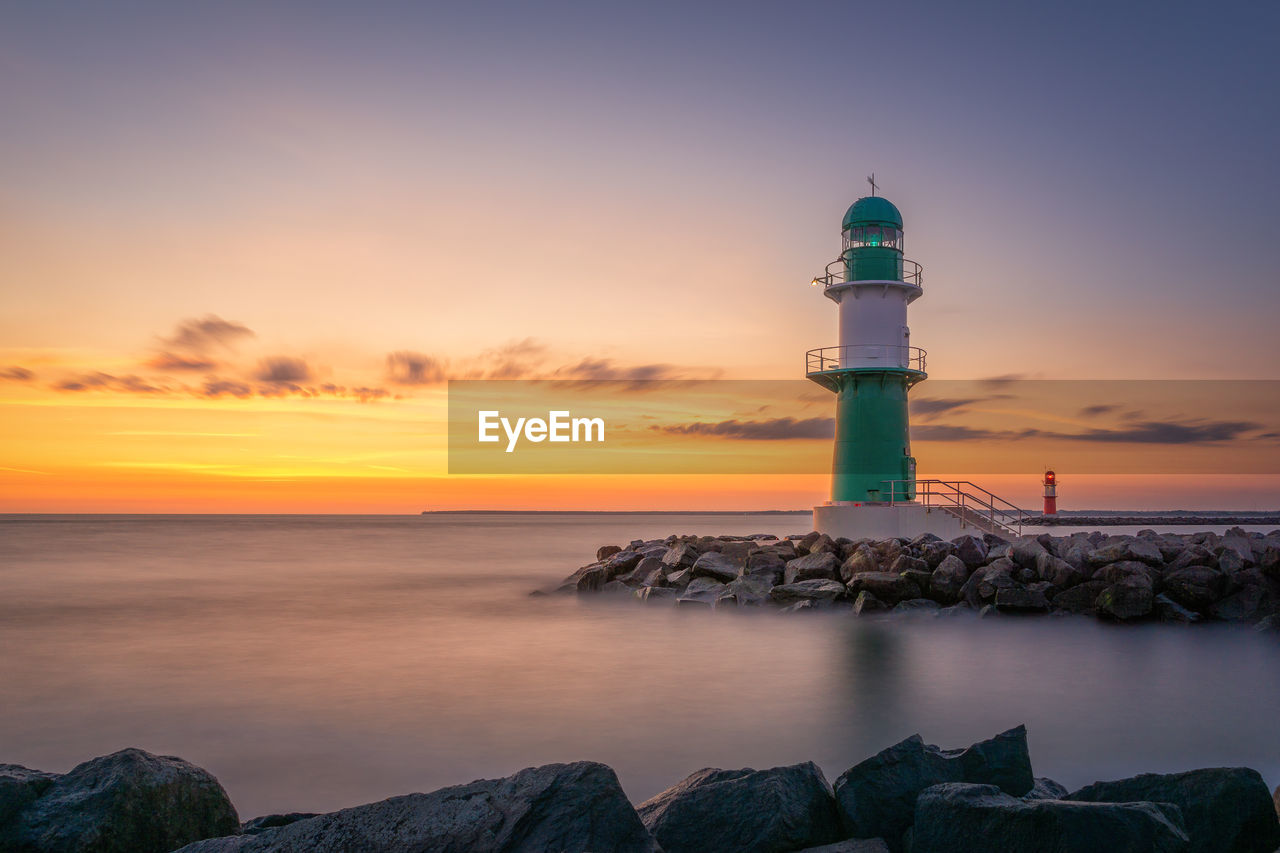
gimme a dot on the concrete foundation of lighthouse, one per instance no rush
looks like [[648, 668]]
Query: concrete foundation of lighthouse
[[881, 521]]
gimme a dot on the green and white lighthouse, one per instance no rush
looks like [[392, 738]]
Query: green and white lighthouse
[[871, 371]]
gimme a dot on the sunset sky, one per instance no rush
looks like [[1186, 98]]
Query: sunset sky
[[243, 246]]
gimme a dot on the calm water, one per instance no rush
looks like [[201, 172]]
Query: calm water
[[318, 662]]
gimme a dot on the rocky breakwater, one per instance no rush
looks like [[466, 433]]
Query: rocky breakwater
[[1181, 578], [910, 798]]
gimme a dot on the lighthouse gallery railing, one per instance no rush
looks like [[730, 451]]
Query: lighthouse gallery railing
[[967, 501], [864, 355], [836, 273]]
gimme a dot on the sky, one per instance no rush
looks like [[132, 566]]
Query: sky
[[244, 245]]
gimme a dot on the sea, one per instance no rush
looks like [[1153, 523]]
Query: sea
[[316, 662]]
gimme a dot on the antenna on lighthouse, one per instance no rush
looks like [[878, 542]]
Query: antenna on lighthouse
[[871, 179]]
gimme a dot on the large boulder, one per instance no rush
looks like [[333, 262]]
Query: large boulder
[[563, 807], [1193, 555], [1194, 587], [780, 809], [1130, 598], [1226, 810], [877, 797], [681, 555], [19, 787], [127, 802], [1082, 598], [823, 565], [971, 549], [1119, 548], [716, 566], [1058, 571], [1243, 606], [962, 818], [818, 591], [862, 560], [851, 845], [886, 586], [948, 579]]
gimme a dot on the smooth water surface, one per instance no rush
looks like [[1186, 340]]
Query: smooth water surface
[[316, 662]]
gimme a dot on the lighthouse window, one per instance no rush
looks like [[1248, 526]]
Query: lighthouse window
[[872, 235]]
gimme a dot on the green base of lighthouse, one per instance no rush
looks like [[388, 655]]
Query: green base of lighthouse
[[872, 461]]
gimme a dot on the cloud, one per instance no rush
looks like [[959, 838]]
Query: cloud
[[172, 361], [928, 408], [604, 370], [282, 369], [1149, 432], [200, 335], [414, 368], [1166, 432], [107, 382], [953, 432], [775, 429], [226, 387], [16, 374], [1094, 411]]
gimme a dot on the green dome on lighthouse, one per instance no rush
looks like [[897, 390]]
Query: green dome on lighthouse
[[872, 210]]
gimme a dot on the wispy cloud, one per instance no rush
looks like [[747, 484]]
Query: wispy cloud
[[16, 374], [774, 429]]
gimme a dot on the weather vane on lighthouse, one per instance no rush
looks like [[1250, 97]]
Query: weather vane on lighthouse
[[871, 179]]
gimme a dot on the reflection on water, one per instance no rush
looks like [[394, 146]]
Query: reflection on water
[[317, 662]]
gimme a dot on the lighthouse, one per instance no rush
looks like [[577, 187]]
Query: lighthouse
[[871, 371]]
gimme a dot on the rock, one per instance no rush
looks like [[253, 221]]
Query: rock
[[682, 555], [1169, 610], [657, 593], [1045, 789], [971, 550], [604, 552], [933, 553], [715, 566], [1058, 571], [1195, 587], [1120, 548], [1130, 599], [1268, 624], [804, 606], [127, 802], [1193, 555], [1225, 809], [948, 579], [1081, 598], [963, 818], [1241, 607], [780, 809], [867, 603], [1125, 570], [876, 798], [259, 825], [851, 845], [704, 589], [907, 563], [1238, 542], [1021, 599], [648, 572], [916, 605], [680, 579], [766, 562], [621, 563], [862, 560], [751, 590], [1026, 551], [821, 591], [562, 807], [19, 786], [886, 586], [819, 566], [1075, 550], [824, 544], [804, 543]]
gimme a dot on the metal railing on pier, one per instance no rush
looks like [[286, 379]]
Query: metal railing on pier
[[969, 502]]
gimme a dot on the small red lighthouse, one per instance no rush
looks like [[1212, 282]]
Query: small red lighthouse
[[1050, 493]]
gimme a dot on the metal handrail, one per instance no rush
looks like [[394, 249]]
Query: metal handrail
[[980, 504], [837, 357], [912, 273]]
